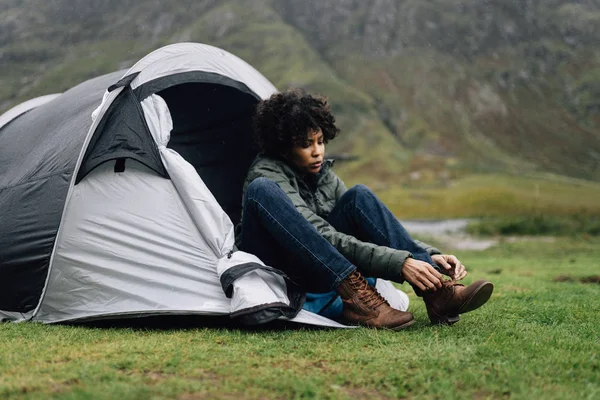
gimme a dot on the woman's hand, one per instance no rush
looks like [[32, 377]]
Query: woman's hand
[[451, 266], [421, 274]]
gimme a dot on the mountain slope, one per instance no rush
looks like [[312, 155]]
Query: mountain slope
[[497, 84], [427, 90]]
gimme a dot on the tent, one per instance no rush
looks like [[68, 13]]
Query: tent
[[118, 198]]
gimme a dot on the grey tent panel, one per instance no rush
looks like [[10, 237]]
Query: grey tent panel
[[122, 133], [38, 153]]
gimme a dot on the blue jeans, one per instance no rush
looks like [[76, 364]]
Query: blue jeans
[[281, 237]]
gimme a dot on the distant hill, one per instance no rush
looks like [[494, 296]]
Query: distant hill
[[427, 90]]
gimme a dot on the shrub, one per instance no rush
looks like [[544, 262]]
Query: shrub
[[539, 224]]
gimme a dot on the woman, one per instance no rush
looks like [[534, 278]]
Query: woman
[[299, 217]]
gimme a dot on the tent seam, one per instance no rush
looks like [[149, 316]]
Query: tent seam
[[34, 180]]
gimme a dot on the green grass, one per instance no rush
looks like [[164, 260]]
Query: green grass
[[494, 195], [538, 224], [536, 338]]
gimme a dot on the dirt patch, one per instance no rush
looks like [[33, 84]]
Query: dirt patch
[[590, 279], [321, 364], [156, 377], [208, 395], [585, 279], [360, 393], [526, 273], [513, 289], [59, 387]]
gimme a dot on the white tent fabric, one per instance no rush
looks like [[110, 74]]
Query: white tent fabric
[[255, 288], [176, 59], [209, 218], [129, 245]]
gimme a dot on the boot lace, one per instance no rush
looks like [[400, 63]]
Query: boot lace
[[367, 294], [448, 288], [451, 284], [445, 292]]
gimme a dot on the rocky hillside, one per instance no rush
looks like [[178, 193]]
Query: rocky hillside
[[424, 90]]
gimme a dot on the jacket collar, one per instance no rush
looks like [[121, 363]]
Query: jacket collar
[[310, 179], [313, 180]]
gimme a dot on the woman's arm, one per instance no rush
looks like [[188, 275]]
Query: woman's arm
[[428, 248]]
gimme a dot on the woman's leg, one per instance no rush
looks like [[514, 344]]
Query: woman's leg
[[360, 213], [270, 220], [281, 237]]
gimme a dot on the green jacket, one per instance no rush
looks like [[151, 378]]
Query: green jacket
[[314, 196]]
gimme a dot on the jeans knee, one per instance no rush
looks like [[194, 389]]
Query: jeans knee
[[361, 192], [261, 187], [267, 193]]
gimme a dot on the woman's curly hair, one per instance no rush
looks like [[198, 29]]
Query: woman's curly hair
[[285, 119]]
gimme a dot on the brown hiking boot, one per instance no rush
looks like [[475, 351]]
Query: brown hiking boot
[[445, 304], [363, 305]]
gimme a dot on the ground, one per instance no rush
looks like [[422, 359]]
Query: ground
[[536, 338]]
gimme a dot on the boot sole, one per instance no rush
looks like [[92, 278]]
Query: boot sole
[[479, 297], [393, 328], [404, 325]]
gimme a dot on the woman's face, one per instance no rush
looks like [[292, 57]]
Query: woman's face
[[308, 157]]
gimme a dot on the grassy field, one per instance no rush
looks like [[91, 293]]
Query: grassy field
[[536, 338], [494, 195], [537, 224]]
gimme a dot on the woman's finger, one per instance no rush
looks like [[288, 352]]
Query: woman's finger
[[441, 261], [458, 274], [420, 285], [464, 269], [444, 263], [453, 260], [433, 272], [432, 279], [457, 263]]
